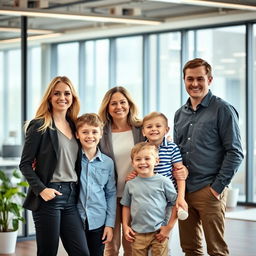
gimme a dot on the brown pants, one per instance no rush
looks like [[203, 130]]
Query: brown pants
[[112, 248], [144, 241], [208, 213]]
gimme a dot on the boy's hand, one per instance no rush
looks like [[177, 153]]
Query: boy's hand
[[131, 175], [107, 235], [129, 234], [163, 234], [180, 173]]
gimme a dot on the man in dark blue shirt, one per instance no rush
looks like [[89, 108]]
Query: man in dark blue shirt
[[207, 132]]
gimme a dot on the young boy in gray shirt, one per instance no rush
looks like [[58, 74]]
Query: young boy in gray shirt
[[144, 203]]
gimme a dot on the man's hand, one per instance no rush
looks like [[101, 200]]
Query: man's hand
[[216, 194]]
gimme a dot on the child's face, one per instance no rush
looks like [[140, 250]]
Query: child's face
[[155, 129], [89, 136], [144, 162]]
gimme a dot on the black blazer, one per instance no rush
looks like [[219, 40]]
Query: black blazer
[[42, 147]]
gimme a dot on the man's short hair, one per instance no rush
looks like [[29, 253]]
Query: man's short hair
[[195, 63]]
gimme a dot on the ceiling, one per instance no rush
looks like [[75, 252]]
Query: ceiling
[[146, 9]]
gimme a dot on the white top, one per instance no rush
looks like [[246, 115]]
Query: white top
[[122, 144]]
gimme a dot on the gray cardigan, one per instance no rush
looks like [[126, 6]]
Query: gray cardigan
[[106, 145]]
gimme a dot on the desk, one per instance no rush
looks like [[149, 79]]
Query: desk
[[9, 163]]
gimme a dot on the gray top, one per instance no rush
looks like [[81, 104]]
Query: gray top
[[147, 199], [65, 168], [209, 141]]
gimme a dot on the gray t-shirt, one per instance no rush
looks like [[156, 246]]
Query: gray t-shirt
[[65, 168], [147, 199]]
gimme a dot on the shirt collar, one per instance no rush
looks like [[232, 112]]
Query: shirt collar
[[204, 103], [98, 156]]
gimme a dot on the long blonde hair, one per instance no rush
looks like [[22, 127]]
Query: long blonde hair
[[132, 118], [44, 110]]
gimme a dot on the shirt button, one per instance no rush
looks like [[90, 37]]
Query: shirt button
[[191, 124], [187, 153], [188, 138]]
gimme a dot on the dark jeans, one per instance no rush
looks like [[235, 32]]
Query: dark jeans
[[60, 218], [94, 240]]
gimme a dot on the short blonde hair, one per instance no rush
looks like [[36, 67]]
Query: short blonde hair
[[132, 117], [154, 115], [141, 146], [44, 110], [91, 119]]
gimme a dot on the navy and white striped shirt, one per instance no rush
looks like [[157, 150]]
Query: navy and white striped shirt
[[169, 153]]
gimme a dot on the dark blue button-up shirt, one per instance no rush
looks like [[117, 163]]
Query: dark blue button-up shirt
[[210, 143]]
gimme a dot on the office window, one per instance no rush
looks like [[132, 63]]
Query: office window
[[129, 67], [1, 99], [68, 61], [169, 74], [12, 132], [228, 62], [254, 111], [96, 74], [34, 93]]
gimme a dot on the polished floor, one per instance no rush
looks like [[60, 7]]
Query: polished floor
[[240, 236]]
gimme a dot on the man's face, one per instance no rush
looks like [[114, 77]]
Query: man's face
[[197, 83]]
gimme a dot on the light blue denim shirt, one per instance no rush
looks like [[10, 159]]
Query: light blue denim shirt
[[97, 199]]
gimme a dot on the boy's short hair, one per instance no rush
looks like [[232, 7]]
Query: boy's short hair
[[154, 115], [141, 146], [90, 119]]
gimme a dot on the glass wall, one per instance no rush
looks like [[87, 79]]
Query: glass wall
[[129, 56], [67, 61], [228, 63], [96, 74], [254, 111], [1, 99]]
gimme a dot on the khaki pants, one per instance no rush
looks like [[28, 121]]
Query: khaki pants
[[112, 248], [144, 241], [208, 213]]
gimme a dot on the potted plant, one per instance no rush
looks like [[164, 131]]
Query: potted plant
[[11, 193]]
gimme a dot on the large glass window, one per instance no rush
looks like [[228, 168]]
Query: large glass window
[[228, 62], [1, 99], [96, 74], [34, 93], [68, 61], [169, 74], [254, 111], [129, 67]]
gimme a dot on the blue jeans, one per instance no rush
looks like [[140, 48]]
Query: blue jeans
[[59, 217], [94, 240]]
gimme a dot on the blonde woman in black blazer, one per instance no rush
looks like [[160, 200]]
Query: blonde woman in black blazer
[[52, 196], [120, 115]]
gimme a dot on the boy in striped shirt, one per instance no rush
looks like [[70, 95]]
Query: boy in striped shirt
[[155, 128]]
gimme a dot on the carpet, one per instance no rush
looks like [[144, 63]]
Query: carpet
[[249, 215]]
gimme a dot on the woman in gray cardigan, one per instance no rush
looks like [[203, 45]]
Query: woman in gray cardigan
[[122, 131]]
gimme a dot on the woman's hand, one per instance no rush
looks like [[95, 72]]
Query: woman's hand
[[49, 193]]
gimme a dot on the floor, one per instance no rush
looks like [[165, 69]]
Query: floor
[[240, 236]]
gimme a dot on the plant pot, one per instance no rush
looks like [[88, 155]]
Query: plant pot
[[8, 242]]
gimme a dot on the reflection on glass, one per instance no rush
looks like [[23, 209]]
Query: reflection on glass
[[228, 62], [129, 67]]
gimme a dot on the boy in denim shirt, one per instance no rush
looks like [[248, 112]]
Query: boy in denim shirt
[[97, 198]]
